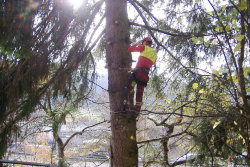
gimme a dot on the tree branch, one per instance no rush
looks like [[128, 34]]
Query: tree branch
[[159, 139], [226, 36], [155, 29], [155, 39], [146, 10], [182, 34], [188, 116], [80, 132]]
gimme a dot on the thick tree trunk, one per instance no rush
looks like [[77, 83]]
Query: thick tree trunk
[[60, 145], [123, 123], [61, 157], [61, 162]]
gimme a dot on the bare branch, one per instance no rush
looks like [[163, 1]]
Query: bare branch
[[80, 132], [159, 139], [184, 115]]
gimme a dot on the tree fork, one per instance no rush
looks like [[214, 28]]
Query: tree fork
[[123, 123]]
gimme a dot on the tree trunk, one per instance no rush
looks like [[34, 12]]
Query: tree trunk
[[123, 123], [164, 143], [61, 162], [3, 144], [60, 145]]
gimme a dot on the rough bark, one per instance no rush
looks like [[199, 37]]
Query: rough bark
[[60, 145], [123, 123], [61, 157]]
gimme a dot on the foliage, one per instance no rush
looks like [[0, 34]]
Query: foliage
[[196, 37], [42, 150], [42, 44]]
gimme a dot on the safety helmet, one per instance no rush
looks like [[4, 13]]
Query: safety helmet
[[147, 39]]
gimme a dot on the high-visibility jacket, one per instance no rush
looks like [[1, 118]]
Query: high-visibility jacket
[[147, 57]]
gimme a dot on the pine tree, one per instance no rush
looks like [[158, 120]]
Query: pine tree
[[37, 55]]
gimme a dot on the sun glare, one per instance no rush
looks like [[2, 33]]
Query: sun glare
[[76, 3]]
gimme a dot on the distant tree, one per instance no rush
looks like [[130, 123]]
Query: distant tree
[[63, 105], [41, 149]]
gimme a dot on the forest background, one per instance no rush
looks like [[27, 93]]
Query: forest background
[[197, 98]]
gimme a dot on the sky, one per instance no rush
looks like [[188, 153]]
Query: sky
[[76, 3]]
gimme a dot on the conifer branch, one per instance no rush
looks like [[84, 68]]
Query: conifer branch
[[156, 40], [146, 10], [155, 29]]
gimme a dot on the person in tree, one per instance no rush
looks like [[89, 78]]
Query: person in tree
[[139, 75]]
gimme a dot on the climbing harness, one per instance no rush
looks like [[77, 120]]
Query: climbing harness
[[140, 76]]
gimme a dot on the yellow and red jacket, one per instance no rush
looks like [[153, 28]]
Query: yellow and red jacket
[[147, 57]]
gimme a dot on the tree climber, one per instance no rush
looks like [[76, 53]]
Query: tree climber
[[139, 75]]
